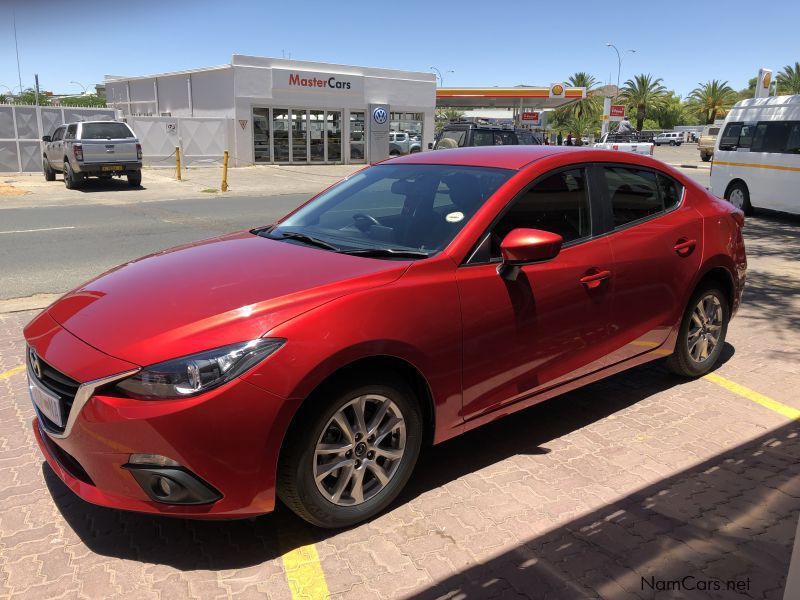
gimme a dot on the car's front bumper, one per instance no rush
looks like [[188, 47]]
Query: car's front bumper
[[227, 438]]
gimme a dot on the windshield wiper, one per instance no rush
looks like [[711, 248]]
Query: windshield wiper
[[386, 252], [302, 237]]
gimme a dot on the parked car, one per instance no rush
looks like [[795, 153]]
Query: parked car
[[465, 134], [417, 299], [757, 156], [401, 143], [625, 142], [673, 138], [707, 141], [102, 149]]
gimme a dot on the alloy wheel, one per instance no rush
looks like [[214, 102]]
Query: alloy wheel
[[704, 328], [736, 197], [360, 450]]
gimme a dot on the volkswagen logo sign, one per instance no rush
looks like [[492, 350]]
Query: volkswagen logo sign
[[380, 115], [36, 365]]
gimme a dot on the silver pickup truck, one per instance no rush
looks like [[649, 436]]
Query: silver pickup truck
[[625, 142], [92, 149]]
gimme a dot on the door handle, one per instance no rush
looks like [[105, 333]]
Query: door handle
[[684, 247], [595, 278]]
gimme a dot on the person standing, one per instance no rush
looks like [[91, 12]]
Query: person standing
[[569, 140], [560, 139]]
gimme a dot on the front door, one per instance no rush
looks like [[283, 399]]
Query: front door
[[548, 326]]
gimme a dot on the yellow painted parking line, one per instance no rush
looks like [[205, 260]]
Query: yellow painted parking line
[[12, 372], [774, 405], [304, 574]]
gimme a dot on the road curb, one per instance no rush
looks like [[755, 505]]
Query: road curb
[[35, 302]]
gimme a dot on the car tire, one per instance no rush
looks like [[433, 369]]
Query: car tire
[[299, 469], [738, 195], [672, 144], [705, 157], [687, 360], [49, 174], [135, 179], [69, 176]]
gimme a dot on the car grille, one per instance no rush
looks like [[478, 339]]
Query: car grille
[[61, 385]]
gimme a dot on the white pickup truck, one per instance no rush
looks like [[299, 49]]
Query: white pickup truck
[[625, 142]]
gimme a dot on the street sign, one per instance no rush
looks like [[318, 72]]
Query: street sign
[[534, 118], [617, 112]]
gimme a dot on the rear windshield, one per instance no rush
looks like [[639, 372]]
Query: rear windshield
[[105, 131]]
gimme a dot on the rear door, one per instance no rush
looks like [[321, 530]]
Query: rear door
[[107, 142], [656, 239]]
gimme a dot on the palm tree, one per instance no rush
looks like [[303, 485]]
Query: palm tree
[[589, 105], [644, 93], [789, 79], [711, 99]]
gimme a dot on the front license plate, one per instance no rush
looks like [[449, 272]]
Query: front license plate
[[47, 403], [111, 168]]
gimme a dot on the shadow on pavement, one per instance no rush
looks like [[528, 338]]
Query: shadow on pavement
[[722, 529], [194, 545], [95, 184]]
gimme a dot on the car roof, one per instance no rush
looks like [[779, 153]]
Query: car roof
[[518, 157]]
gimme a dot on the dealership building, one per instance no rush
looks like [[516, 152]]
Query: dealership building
[[269, 110]]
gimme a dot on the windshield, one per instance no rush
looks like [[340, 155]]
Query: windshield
[[402, 208], [105, 131]]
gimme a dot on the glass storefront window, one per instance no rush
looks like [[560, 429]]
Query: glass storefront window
[[299, 136], [333, 126], [357, 137], [316, 131], [280, 133], [261, 135]]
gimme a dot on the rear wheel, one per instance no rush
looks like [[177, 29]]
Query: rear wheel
[[739, 196], [69, 176], [705, 157], [702, 333], [350, 457], [135, 179], [49, 174], [673, 143]]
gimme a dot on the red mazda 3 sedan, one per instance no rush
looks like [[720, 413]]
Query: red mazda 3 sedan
[[413, 301]]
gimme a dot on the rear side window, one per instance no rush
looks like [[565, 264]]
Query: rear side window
[[559, 204], [509, 139], [105, 131], [774, 136], [671, 191], [482, 138], [736, 135], [634, 194]]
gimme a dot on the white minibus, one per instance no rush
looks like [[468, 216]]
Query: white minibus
[[757, 156]]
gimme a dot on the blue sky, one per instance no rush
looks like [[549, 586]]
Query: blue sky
[[502, 43]]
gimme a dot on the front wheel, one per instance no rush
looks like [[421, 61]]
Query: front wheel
[[702, 333], [49, 174], [350, 457], [705, 157], [739, 196]]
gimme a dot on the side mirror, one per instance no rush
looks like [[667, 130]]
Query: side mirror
[[524, 247], [45, 138]]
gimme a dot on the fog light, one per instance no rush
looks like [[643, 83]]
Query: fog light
[[155, 460], [162, 487]]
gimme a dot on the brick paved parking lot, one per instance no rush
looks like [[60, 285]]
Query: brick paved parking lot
[[617, 490]]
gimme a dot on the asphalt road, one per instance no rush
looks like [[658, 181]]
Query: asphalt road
[[51, 249]]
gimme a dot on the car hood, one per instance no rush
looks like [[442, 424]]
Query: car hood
[[211, 293]]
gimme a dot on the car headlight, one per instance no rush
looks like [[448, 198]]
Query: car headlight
[[197, 373]]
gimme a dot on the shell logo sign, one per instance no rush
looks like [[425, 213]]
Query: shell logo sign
[[557, 90]]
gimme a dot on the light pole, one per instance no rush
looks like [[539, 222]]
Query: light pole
[[81, 85], [439, 75], [619, 63]]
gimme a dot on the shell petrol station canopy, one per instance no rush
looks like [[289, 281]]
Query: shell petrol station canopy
[[514, 97]]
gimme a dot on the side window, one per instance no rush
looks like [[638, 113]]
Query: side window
[[771, 136], [559, 203], [509, 139], [793, 143], [730, 137], [671, 191], [482, 138], [58, 134], [633, 193], [71, 130]]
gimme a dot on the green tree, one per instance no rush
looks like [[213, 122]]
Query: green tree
[[28, 96], [789, 79], [670, 112], [88, 100], [711, 99], [579, 118], [643, 94]]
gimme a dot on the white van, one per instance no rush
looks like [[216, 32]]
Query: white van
[[757, 156], [673, 138]]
